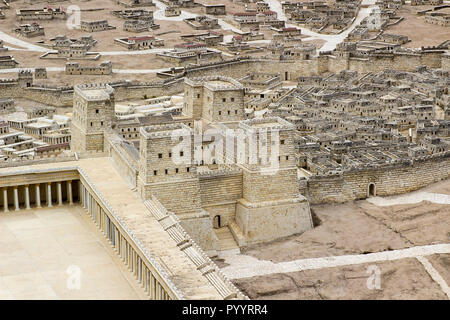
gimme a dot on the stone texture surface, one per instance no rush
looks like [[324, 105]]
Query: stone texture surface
[[401, 279], [37, 248]]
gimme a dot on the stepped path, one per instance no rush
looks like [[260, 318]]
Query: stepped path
[[226, 239]]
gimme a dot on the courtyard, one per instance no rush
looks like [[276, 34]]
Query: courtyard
[[57, 253]]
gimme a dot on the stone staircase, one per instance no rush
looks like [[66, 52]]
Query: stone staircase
[[171, 224], [226, 239]]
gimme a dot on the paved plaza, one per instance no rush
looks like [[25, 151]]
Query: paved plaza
[[42, 251]]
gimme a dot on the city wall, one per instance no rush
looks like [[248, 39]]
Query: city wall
[[401, 177], [289, 69], [219, 194], [124, 163]]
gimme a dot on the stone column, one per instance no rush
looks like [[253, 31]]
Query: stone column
[[27, 197], [69, 192], [16, 199], [38, 196], [5, 199], [80, 192], [59, 193], [49, 194]]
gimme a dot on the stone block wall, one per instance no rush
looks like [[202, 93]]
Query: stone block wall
[[123, 162], [83, 142], [258, 187], [199, 227], [388, 180], [219, 195], [266, 223], [181, 196]]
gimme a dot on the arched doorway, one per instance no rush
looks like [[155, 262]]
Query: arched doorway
[[216, 222], [371, 190]]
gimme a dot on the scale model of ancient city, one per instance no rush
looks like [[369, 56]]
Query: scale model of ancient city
[[225, 149]]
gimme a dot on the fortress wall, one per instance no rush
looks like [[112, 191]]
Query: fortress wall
[[235, 69], [388, 180], [124, 164], [54, 97], [199, 227], [219, 189], [226, 211], [402, 62], [219, 195], [124, 92], [179, 196], [337, 64], [291, 69], [261, 187], [432, 59], [445, 64]]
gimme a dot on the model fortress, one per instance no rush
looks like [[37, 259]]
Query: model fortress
[[250, 133], [257, 202]]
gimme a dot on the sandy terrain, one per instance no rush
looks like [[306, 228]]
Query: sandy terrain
[[402, 279], [418, 31], [441, 262], [419, 224], [352, 231], [344, 229]]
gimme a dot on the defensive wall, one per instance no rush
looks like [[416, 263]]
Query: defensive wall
[[236, 68], [380, 180]]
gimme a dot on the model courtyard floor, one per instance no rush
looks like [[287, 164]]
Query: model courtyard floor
[[43, 250]]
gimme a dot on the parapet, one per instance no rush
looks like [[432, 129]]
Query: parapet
[[94, 91], [164, 130], [215, 83], [270, 123]]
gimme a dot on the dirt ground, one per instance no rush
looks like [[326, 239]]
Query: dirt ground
[[401, 279], [358, 227], [441, 262], [344, 229], [418, 31], [361, 227], [169, 31]]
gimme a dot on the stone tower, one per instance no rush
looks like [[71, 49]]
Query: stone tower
[[167, 172], [271, 206], [93, 113], [25, 78], [215, 99]]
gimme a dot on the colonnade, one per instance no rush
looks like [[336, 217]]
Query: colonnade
[[36, 195], [51, 194], [137, 265]]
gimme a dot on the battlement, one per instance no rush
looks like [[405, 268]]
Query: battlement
[[386, 166], [94, 91], [215, 83], [272, 123], [25, 72], [163, 131]]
